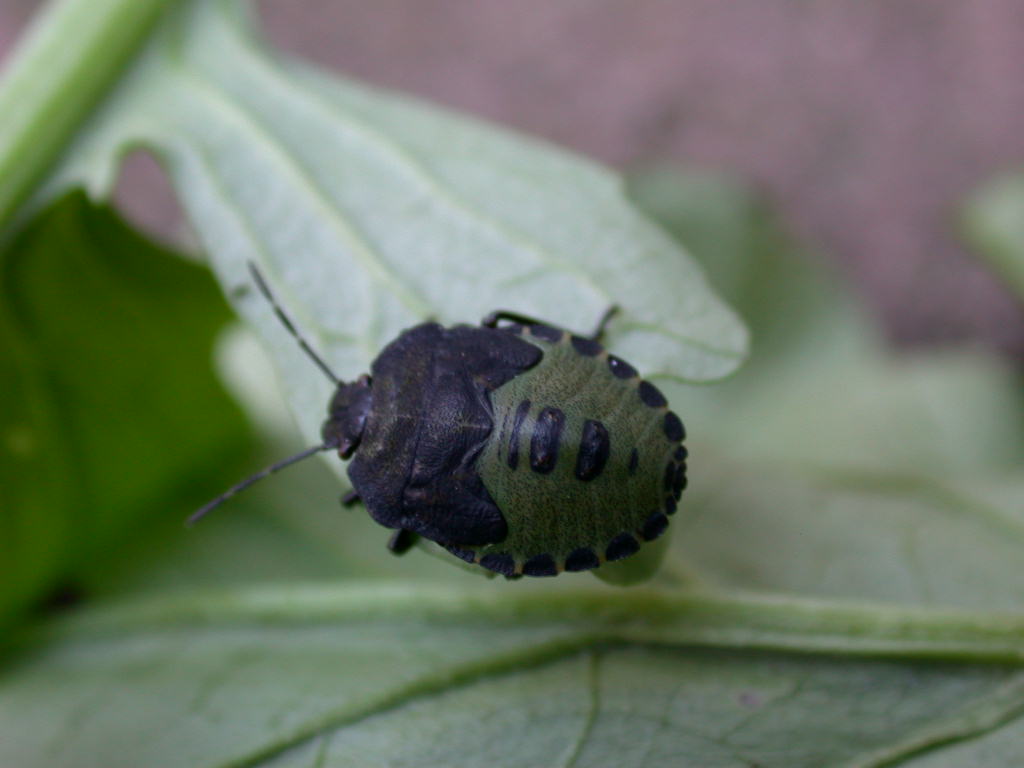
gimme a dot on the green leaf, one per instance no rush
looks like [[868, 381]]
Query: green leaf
[[829, 466], [826, 473], [993, 222], [369, 212], [377, 674], [904, 539], [445, 670], [110, 411], [290, 530], [821, 388]]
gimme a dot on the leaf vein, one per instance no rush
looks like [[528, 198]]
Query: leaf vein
[[304, 181], [594, 688]]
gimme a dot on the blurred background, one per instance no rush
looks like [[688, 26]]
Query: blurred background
[[866, 122]]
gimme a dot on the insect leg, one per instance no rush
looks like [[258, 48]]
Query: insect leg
[[350, 499], [402, 541], [491, 320], [603, 322]]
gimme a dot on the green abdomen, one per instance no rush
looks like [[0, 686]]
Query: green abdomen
[[581, 461]]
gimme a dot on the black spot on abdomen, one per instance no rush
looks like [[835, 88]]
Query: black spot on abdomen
[[582, 559], [593, 451], [670, 473], [503, 564], [513, 438], [586, 347], [651, 395], [673, 427], [540, 565], [620, 368], [654, 526], [679, 481], [547, 434], [621, 546]]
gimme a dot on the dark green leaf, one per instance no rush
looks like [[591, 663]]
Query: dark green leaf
[[110, 411]]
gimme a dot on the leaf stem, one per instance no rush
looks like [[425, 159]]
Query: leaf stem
[[64, 65], [724, 619]]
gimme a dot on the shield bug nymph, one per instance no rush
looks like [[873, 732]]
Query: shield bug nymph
[[514, 445]]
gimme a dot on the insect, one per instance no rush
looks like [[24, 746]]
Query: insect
[[514, 445]]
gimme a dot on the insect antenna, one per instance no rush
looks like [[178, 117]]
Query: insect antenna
[[286, 321], [200, 513]]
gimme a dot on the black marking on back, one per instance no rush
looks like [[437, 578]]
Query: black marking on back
[[654, 526], [674, 429], [547, 434], [546, 332], [513, 440], [670, 505], [621, 368], [582, 559], [621, 546], [681, 453], [634, 461], [540, 565], [670, 473], [419, 474], [593, 451], [651, 395], [586, 347], [503, 564]]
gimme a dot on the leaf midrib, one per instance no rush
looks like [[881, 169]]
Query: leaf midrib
[[728, 619]]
